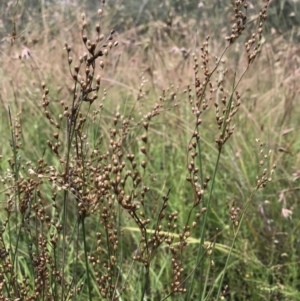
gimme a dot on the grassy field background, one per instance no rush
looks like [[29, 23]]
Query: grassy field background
[[149, 175]]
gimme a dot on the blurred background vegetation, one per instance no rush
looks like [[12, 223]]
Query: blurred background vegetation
[[284, 15]]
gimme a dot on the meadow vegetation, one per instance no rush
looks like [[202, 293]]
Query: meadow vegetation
[[149, 159]]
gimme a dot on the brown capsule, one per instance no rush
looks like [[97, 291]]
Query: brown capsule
[[143, 150]]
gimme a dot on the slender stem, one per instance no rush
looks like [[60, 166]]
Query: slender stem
[[201, 250], [86, 260], [147, 281], [17, 193], [234, 239]]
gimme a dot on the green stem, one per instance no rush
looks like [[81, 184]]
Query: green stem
[[234, 239], [146, 283], [201, 250], [86, 260]]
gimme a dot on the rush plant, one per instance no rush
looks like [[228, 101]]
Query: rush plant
[[118, 202]]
